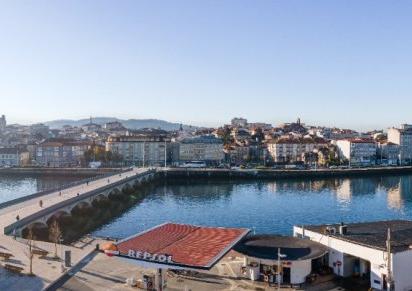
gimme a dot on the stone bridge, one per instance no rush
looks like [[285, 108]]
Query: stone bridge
[[25, 213]]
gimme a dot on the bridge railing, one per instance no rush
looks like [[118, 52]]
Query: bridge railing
[[38, 215], [62, 188]]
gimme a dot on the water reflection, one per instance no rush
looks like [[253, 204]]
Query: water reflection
[[12, 187], [268, 206], [400, 193]]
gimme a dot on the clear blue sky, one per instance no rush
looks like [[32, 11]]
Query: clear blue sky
[[344, 63]]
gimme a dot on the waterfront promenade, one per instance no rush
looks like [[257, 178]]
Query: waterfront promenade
[[46, 269]]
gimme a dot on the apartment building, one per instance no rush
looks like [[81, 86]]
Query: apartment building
[[12, 157], [403, 137], [388, 153], [239, 122], [357, 151], [291, 149], [61, 152], [205, 148], [142, 148]]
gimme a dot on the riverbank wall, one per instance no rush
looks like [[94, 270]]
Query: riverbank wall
[[81, 172], [187, 173]]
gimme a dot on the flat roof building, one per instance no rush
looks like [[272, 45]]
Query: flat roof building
[[297, 257], [380, 251]]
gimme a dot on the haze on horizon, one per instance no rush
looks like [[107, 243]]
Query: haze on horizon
[[331, 63]]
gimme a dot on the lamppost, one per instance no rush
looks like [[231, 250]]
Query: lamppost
[[61, 255], [165, 154], [389, 263], [278, 271]]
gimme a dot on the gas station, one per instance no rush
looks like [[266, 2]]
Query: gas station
[[173, 246]]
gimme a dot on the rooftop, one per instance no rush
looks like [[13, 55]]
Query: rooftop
[[184, 245], [210, 139], [266, 247], [374, 234], [9, 151]]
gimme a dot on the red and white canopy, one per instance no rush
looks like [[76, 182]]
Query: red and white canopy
[[172, 245]]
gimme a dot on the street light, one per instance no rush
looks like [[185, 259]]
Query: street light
[[61, 255], [278, 272]]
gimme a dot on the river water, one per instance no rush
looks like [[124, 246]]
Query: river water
[[263, 206], [12, 186], [268, 206]]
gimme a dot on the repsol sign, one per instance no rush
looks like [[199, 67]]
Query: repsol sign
[[150, 257]]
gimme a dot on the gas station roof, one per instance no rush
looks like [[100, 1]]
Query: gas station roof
[[180, 245]]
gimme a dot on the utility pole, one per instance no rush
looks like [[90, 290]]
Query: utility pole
[[144, 152], [381, 154], [278, 270], [389, 263], [165, 154]]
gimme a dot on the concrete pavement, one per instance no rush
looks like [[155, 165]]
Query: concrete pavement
[[46, 269]]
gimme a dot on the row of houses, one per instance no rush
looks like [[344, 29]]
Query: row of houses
[[12, 157], [236, 144], [159, 149]]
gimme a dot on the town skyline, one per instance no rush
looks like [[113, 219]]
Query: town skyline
[[200, 125]]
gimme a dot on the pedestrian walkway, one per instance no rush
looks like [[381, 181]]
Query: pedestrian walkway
[[48, 268]]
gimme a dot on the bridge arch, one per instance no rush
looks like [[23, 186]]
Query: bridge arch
[[81, 207], [127, 188], [39, 231], [58, 215], [100, 200]]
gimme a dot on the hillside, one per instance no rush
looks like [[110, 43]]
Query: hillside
[[128, 123]]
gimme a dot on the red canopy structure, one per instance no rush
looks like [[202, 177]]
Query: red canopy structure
[[182, 246]]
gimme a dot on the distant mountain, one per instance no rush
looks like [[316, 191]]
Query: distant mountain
[[129, 123]]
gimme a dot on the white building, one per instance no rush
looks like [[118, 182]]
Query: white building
[[13, 157], [402, 137], [358, 152], [291, 149], [361, 249], [388, 153], [141, 148], [202, 148], [239, 122], [39, 129], [114, 126], [265, 256]]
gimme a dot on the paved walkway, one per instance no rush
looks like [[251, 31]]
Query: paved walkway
[[109, 273], [46, 269]]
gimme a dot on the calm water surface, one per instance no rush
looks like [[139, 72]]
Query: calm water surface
[[12, 187], [268, 207]]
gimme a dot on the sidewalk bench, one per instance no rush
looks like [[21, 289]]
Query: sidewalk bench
[[41, 253], [5, 256], [13, 268]]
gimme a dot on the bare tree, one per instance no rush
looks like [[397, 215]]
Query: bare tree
[[55, 234], [30, 255]]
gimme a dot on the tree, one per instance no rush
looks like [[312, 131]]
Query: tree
[[98, 153], [225, 134], [30, 255], [55, 234]]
